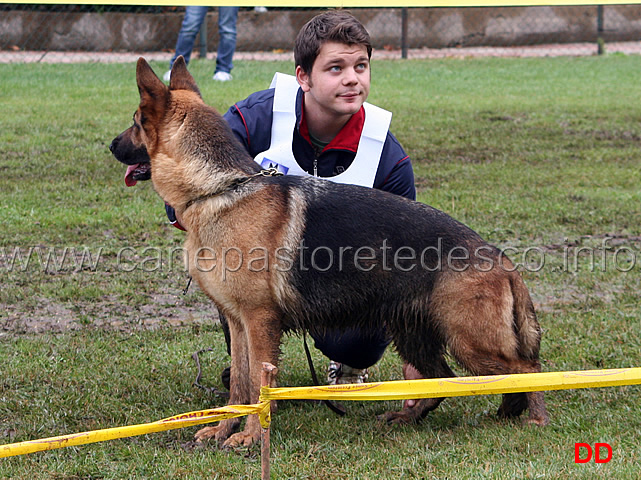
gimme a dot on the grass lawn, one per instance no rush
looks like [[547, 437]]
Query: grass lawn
[[540, 156]]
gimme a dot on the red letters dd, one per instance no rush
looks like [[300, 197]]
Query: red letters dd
[[597, 452]]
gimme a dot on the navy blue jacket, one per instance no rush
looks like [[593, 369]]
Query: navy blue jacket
[[251, 121]]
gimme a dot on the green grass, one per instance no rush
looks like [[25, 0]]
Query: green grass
[[532, 153]]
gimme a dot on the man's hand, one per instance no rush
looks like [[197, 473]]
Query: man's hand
[[410, 373]]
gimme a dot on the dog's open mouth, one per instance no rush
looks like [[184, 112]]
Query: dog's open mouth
[[139, 171]]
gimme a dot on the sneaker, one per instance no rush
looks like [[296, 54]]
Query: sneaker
[[260, 9], [341, 374], [167, 76], [222, 76]]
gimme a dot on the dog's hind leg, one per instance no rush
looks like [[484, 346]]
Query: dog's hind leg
[[438, 368], [502, 361], [538, 412], [514, 404], [490, 328]]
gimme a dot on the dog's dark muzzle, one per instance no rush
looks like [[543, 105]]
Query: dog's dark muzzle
[[136, 157]]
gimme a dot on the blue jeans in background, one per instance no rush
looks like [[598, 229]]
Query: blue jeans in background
[[194, 17]]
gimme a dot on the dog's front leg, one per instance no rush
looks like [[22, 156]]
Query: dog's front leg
[[263, 330], [239, 385]]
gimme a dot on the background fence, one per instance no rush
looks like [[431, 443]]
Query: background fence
[[32, 33]]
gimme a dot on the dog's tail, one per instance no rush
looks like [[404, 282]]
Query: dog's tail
[[526, 325]]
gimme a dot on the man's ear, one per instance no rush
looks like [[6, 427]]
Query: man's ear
[[180, 78], [152, 90], [304, 79]]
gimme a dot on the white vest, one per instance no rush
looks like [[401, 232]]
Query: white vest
[[363, 169]]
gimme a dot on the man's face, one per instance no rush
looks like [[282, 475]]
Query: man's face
[[339, 82]]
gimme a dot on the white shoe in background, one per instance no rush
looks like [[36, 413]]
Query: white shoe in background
[[222, 77]]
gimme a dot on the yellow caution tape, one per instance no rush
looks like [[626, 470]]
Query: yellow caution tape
[[460, 386], [177, 421], [397, 390], [348, 3]]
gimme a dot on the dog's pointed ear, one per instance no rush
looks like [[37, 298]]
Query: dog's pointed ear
[[180, 78], [150, 86]]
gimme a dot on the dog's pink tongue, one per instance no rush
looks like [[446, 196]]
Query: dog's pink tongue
[[129, 176]]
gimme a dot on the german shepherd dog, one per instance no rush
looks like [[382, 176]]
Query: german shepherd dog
[[291, 253]]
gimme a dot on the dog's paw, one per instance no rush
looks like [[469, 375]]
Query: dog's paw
[[240, 439], [221, 432], [538, 422], [397, 418], [206, 433]]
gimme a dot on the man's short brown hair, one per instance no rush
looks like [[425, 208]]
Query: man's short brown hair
[[333, 26]]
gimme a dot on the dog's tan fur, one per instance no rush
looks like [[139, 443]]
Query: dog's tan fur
[[484, 318]]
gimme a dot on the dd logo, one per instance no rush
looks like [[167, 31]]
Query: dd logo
[[583, 452]]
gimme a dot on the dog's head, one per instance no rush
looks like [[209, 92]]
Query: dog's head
[[136, 146]]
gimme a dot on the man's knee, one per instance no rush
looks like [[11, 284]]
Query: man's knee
[[352, 347]]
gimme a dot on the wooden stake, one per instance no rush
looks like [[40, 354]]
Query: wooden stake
[[267, 376]]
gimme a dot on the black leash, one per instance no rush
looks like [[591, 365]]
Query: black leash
[[199, 375], [186, 289], [337, 408]]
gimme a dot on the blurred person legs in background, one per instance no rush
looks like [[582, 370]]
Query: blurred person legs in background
[[227, 17], [194, 18]]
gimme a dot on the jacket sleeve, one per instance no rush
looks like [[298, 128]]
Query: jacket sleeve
[[397, 174], [401, 180], [251, 121]]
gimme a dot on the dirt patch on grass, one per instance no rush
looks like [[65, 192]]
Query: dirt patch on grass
[[178, 311], [162, 310]]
